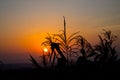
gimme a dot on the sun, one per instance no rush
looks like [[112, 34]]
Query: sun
[[45, 50]]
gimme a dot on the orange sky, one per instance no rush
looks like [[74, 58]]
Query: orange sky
[[24, 24]]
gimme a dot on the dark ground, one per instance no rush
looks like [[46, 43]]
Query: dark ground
[[73, 73]]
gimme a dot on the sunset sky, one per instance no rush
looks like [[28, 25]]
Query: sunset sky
[[25, 23]]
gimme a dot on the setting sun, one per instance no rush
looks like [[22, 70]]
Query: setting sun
[[45, 50]]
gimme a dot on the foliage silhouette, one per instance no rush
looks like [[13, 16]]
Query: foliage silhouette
[[88, 61], [105, 48], [34, 61], [67, 45], [63, 48]]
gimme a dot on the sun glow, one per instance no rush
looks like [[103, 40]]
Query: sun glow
[[45, 50]]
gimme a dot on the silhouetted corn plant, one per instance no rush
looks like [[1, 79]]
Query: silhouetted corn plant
[[85, 49], [34, 62], [68, 44], [105, 48], [83, 44], [44, 60], [49, 42]]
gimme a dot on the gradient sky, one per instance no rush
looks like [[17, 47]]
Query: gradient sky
[[24, 23]]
